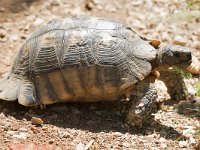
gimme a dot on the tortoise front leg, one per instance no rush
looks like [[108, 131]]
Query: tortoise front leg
[[175, 84], [142, 103], [26, 94]]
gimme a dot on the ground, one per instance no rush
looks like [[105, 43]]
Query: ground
[[98, 125]]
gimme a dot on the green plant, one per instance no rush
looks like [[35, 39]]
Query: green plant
[[193, 4], [197, 87], [183, 72]]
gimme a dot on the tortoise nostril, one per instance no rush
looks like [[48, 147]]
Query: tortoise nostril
[[176, 55], [189, 56]]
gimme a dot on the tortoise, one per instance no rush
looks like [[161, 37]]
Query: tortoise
[[90, 59]]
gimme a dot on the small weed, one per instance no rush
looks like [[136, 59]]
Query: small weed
[[183, 72], [197, 87]]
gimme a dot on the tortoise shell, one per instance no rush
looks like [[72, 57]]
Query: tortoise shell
[[78, 59]]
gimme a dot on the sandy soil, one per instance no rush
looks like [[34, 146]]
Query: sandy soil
[[98, 125]]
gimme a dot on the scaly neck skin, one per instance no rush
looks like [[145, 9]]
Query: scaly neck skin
[[158, 64]]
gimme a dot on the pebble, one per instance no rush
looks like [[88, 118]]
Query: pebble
[[38, 22], [2, 9], [117, 134], [163, 145], [63, 134], [36, 120], [179, 40], [80, 146], [196, 44], [188, 130], [162, 139], [21, 135], [171, 108], [35, 129], [14, 37], [11, 132], [192, 140], [23, 130], [183, 144]]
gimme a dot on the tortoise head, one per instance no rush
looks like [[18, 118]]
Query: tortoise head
[[173, 55]]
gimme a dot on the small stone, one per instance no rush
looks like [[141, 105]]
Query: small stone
[[163, 145], [51, 141], [2, 9], [162, 139], [38, 22], [63, 134], [11, 132], [117, 134], [28, 146], [14, 37], [45, 128], [55, 3], [171, 108], [196, 44], [36, 120], [164, 107], [35, 129], [189, 130], [23, 37], [183, 144], [179, 40], [192, 140], [2, 35], [23, 130], [21, 135], [80, 146]]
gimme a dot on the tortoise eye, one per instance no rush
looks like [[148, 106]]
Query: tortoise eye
[[176, 55]]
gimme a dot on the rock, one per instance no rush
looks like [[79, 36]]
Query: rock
[[14, 37], [183, 144], [192, 140], [35, 129], [23, 130], [189, 130], [56, 3], [117, 134], [38, 22], [28, 146], [163, 145], [63, 134], [171, 108], [36, 120], [21, 135], [2, 9], [11, 132], [179, 40], [2, 34], [196, 44], [80, 146]]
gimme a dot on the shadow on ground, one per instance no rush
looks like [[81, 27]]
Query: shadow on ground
[[94, 117]]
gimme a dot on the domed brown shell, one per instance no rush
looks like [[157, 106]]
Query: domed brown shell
[[78, 59]]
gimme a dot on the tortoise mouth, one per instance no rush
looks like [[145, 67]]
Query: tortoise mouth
[[167, 66], [184, 64]]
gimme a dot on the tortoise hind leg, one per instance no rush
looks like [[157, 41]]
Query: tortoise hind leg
[[142, 103], [9, 87], [27, 95]]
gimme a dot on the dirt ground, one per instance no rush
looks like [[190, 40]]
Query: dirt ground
[[98, 125]]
